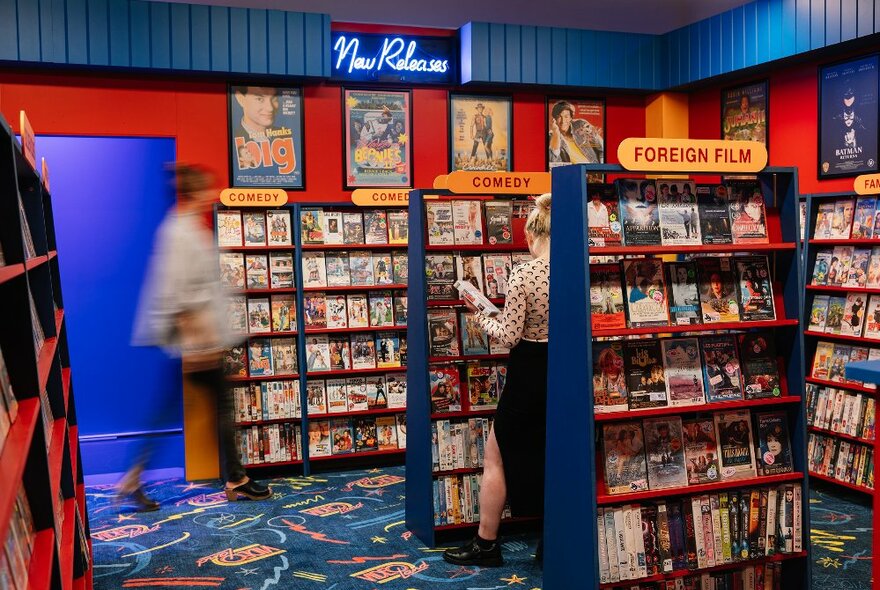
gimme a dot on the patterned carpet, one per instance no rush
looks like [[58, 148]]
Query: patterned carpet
[[345, 531]]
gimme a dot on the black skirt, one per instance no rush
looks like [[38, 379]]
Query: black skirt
[[521, 427]]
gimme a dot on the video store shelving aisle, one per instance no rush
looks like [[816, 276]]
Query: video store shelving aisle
[[43, 519], [842, 301], [258, 266], [725, 426], [354, 299], [455, 373]]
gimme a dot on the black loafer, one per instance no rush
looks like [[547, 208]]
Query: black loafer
[[472, 554], [142, 502], [250, 490]]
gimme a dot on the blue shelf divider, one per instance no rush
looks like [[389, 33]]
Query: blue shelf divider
[[572, 497]]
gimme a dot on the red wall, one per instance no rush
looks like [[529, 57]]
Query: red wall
[[195, 114], [794, 116]]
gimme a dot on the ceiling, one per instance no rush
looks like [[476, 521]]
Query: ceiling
[[634, 16]]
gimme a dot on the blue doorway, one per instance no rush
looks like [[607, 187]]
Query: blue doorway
[[109, 197]]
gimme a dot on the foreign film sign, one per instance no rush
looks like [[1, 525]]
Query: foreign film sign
[[645, 154]]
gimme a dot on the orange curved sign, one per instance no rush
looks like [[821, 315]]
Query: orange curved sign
[[867, 184], [253, 197], [651, 154], [496, 183], [378, 197]]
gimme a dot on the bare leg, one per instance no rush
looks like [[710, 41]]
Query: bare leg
[[493, 490]]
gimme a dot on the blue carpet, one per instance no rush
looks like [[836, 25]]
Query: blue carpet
[[339, 530], [345, 531], [841, 538]]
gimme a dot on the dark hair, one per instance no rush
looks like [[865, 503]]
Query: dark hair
[[563, 105], [191, 178]]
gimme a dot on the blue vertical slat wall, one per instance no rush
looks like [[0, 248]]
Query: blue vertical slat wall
[[99, 33], [164, 35], [512, 64], [832, 20], [528, 54], [497, 53]]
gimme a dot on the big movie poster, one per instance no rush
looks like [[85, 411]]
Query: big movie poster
[[848, 117], [744, 113], [576, 132], [378, 151], [480, 134], [265, 126]]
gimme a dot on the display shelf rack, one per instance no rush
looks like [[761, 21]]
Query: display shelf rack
[[844, 436], [357, 413], [854, 370], [302, 332], [43, 376], [472, 525], [718, 568], [844, 385], [698, 409], [355, 455], [420, 477], [574, 486], [843, 484]]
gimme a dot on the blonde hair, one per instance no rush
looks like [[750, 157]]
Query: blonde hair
[[538, 223]]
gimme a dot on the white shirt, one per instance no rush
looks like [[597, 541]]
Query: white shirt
[[526, 311]]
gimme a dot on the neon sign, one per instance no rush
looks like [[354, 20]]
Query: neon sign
[[397, 58]]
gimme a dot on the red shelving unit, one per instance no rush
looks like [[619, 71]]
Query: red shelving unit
[[844, 385], [354, 372], [842, 337], [848, 242], [828, 289], [517, 246], [360, 454], [856, 439], [45, 360], [33, 263], [264, 291], [337, 247], [472, 357], [67, 547], [354, 330], [473, 525], [705, 249], [14, 457], [277, 464], [844, 484], [712, 407], [267, 334], [470, 413], [458, 302], [262, 422], [10, 271], [693, 490], [390, 287], [378, 412], [695, 328], [256, 248], [56, 453], [717, 568], [40, 569], [245, 379]]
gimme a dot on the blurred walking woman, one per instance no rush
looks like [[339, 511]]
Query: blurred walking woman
[[513, 466]]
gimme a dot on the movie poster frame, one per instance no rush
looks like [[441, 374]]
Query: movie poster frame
[[548, 99], [766, 83], [822, 175], [346, 125], [231, 158], [450, 152]]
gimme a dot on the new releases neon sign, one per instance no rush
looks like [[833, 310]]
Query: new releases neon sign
[[392, 58]]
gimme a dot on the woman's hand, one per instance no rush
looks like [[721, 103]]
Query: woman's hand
[[471, 306]]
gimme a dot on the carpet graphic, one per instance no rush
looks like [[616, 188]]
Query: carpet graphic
[[346, 531]]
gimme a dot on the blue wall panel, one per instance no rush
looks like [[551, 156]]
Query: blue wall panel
[[544, 59], [99, 33], [160, 35], [762, 17], [497, 52], [315, 37], [558, 57], [139, 17], [219, 39], [200, 39], [59, 32], [738, 32], [726, 42], [8, 30], [258, 43], [705, 49], [296, 42], [866, 17], [29, 31], [803, 26], [789, 27], [832, 20], [693, 34], [817, 24], [529, 54], [238, 39], [750, 26], [513, 53], [276, 39], [848, 20], [646, 61], [46, 45], [573, 68], [775, 29], [181, 50], [120, 35], [77, 32]]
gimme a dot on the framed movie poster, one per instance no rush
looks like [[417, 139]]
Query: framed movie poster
[[481, 133], [848, 111], [377, 128], [575, 131], [265, 130], [745, 113]]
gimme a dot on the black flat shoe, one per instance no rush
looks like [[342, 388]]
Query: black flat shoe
[[472, 554], [250, 490]]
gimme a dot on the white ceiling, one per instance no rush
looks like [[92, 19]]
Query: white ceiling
[[635, 16]]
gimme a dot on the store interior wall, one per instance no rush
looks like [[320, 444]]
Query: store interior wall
[[110, 195]]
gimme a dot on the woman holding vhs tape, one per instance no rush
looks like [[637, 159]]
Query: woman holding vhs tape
[[513, 466]]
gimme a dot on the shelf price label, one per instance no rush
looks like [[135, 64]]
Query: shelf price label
[[867, 184], [253, 197], [372, 197], [497, 183], [651, 154]]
